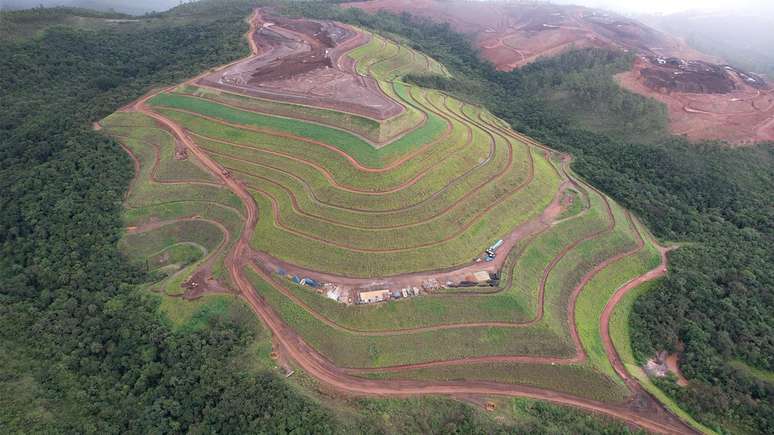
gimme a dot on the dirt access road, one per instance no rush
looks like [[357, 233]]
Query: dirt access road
[[643, 411]]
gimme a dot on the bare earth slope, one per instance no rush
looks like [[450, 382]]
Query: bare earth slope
[[725, 103]]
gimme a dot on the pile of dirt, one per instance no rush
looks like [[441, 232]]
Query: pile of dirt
[[201, 283], [676, 74], [300, 61]]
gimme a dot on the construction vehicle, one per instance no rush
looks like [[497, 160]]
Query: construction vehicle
[[491, 252]]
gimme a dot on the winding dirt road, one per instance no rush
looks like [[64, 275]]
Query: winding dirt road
[[642, 411]]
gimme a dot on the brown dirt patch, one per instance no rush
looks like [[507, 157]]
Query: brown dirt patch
[[741, 115], [201, 283], [298, 61], [673, 364]]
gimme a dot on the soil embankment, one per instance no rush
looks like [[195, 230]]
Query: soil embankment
[[642, 411], [297, 61]]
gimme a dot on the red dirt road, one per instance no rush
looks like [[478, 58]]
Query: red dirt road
[[646, 415], [604, 321]]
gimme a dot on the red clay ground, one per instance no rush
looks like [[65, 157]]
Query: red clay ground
[[642, 410], [743, 115], [297, 61], [512, 35]]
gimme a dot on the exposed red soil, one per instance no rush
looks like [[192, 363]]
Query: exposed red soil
[[734, 106], [514, 34], [297, 61], [673, 364], [743, 114], [642, 411], [291, 113]]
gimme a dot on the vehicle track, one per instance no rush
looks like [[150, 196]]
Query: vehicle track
[[539, 311], [318, 367], [310, 119], [329, 176], [154, 169]]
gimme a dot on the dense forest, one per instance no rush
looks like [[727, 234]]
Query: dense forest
[[716, 306], [82, 349]]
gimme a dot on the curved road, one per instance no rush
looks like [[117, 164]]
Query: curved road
[[653, 418]]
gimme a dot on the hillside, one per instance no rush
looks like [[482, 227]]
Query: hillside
[[350, 204], [246, 218], [705, 97]]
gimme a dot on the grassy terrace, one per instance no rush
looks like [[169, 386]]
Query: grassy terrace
[[353, 145], [452, 187], [336, 339], [396, 255], [579, 380], [428, 189], [306, 157], [515, 302], [183, 215], [356, 350]]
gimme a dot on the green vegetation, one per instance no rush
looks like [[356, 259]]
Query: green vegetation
[[173, 251], [355, 350], [318, 209], [578, 380], [113, 364], [594, 297], [84, 350], [714, 302], [371, 129], [576, 204], [620, 332], [762, 375], [352, 145], [435, 415], [332, 253]]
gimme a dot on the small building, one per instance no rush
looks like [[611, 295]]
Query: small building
[[374, 296]]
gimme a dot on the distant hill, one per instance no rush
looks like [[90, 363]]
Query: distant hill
[[135, 7], [511, 35], [706, 98], [744, 39]]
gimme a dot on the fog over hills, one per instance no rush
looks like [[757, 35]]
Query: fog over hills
[[125, 6], [742, 38]]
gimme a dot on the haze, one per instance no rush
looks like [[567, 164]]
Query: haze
[[627, 7], [672, 6]]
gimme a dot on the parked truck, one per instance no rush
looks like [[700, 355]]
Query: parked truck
[[491, 252]]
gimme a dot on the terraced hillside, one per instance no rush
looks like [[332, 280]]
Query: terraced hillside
[[313, 159]]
